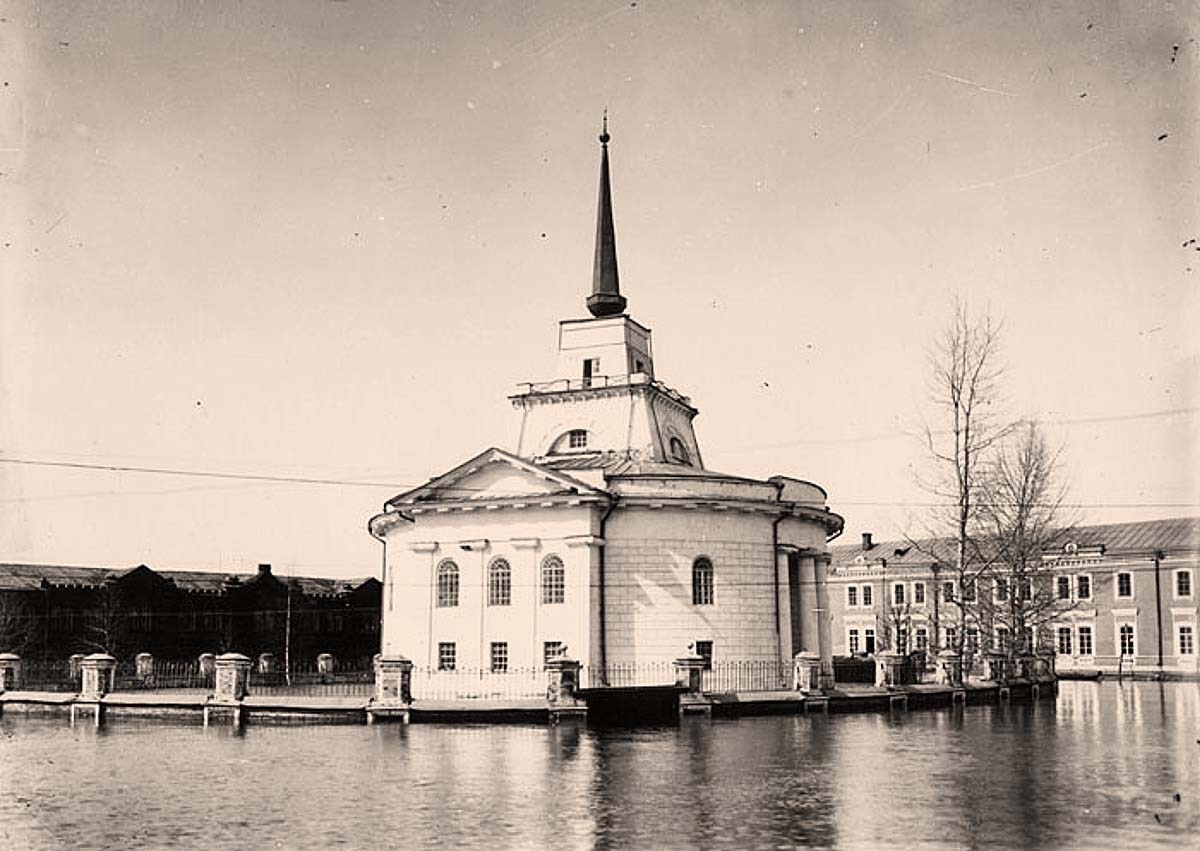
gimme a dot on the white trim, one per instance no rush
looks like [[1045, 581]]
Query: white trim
[[1175, 595], [1117, 585], [1128, 614]]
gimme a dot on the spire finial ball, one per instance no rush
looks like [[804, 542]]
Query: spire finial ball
[[604, 137]]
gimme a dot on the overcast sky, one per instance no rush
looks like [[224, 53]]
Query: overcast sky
[[326, 239]]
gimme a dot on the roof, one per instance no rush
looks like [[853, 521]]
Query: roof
[[1180, 534], [618, 464], [17, 577]]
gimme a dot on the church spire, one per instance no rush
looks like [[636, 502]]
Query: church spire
[[606, 298]]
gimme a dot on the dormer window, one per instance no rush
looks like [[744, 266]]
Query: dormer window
[[679, 453], [577, 439]]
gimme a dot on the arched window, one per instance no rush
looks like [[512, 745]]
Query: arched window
[[447, 584], [554, 585], [678, 451], [702, 582], [499, 583]]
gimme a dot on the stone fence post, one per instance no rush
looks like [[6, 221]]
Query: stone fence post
[[806, 672], [688, 673], [393, 688], [144, 667], [950, 671], [325, 667], [232, 678], [208, 665], [887, 669], [10, 672], [99, 673], [561, 692]]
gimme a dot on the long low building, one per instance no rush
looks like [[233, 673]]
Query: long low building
[[53, 611], [1126, 598]]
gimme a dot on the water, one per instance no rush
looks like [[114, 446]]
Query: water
[[1093, 770]]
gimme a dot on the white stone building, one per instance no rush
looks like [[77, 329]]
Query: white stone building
[[602, 531]]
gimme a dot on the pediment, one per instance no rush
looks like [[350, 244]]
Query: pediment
[[494, 475]]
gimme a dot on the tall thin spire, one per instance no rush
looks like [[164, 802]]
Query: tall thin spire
[[606, 298]]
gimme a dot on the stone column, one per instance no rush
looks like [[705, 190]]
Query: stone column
[[75, 666], [10, 672], [208, 665], [810, 640], [824, 618], [99, 670], [232, 678], [806, 672]]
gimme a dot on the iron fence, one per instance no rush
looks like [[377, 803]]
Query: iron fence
[[478, 684], [732, 677]]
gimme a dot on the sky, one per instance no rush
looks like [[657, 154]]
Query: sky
[[325, 240]]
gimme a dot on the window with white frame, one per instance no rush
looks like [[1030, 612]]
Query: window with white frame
[[447, 584], [1084, 633], [499, 583], [852, 642], [922, 637], [1064, 641], [972, 639], [919, 593], [947, 590], [1083, 586], [951, 637], [1125, 584], [866, 596], [1001, 589], [499, 657], [1125, 634], [902, 640], [447, 656], [1186, 634], [898, 594], [1001, 639], [704, 649], [702, 582], [968, 590], [1025, 589], [554, 581], [868, 640], [1183, 583], [577, 438], [551, 650], [851, 596], [1064, 587]]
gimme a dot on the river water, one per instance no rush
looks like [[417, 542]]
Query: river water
[[1098, 768]]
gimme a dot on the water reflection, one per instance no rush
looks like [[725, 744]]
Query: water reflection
[[1097, 768]]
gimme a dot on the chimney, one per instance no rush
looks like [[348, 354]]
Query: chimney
[[867, 543], [264, 570]]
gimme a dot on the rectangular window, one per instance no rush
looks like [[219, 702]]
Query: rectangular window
[[922, 636], [951, 637], [1002, 639], [898, 594], [972, 640], [1083, 587], [1124, 584], [447, 655], [499, 657], [1186, 645], [591, 370], [902, 640], [1064, 588], [948, 590], [852, 642], [1183, 583], [1001, 589], [577, 439], [704, 649], [869, 639], [851, 595], [1064, 640], [1085, 641], [1026, 590], [968, 590], [867, 596], [1125, 633], [919, 593], [551, 650]]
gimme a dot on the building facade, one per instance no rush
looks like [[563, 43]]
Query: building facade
[[601, 534], [1125, 599]]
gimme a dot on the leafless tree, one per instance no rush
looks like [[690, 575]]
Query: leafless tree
[[107, 622], [1021, 517], [965, 390]]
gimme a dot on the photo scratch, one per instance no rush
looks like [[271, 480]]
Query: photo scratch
[[1032, 173], [972, 83]]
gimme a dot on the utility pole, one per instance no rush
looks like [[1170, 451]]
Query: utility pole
[[287, 632]]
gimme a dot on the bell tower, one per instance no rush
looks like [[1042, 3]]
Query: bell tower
[[604, 397]]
